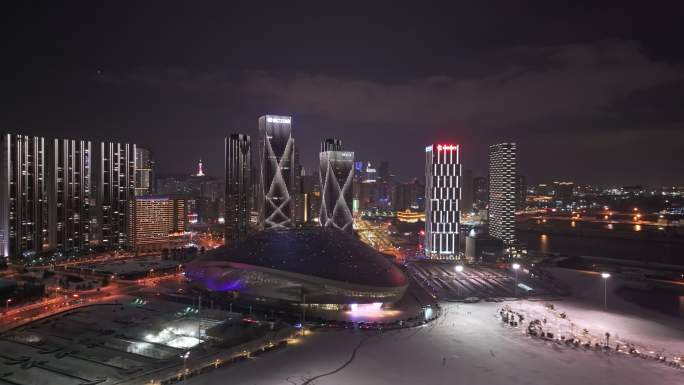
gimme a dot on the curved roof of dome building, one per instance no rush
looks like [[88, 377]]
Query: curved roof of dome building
[[321, 252]]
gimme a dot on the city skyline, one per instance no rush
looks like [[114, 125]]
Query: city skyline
[[269, 192], [615, 83]]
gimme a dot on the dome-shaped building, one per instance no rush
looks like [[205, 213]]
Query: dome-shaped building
[[315, 265]]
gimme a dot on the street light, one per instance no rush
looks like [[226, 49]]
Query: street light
[[7, 305], [185, 359], [303, 313], [459, 269], [516, 266], [605, 277]]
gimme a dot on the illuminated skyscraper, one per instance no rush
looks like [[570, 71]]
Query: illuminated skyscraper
[[275, 157], [331, 144], [115, 187], [69, 194], [23, 218], [48, 189], [336, 178], [442, 196], [144, 171], [238, 185], [502, 192]]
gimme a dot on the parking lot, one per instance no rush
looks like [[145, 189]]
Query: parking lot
[[442, 280]]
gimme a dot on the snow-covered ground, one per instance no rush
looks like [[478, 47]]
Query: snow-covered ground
[[587, 325], [630, 321], [467, 345]]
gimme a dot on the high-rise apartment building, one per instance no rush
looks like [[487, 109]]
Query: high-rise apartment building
[[542, 189], [408, 195], [23, 219], [563, 192], [206, 195], [502, 192], [144, 171], [296, 191], [336, 174], [331, 144], [311, 198], [384, 171], [238, 150], [69, 171], [155, 221], [520, 192], [276, 162], [480, 193], [370, 173], [385, 185], [442, 196], [61, 194], [467, 191], [115, 187], [403, 196]]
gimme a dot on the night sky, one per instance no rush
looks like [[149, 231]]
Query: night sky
[[591, 93]]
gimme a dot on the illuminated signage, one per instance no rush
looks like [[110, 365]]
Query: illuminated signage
[[446, 147], [440, 147], [277, 120]]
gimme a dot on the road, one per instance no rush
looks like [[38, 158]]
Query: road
[[377, 236], [18, 316]]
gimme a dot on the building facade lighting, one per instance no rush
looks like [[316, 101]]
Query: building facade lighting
[[442, 199], [502, 192], [276, 173], [336, 178], [238, 158]]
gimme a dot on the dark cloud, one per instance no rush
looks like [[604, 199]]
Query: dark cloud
[[590, 93], [575, 81]]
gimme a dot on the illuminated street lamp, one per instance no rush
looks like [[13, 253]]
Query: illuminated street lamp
[[7, 302], [185, 359], [459, 269], [516, 266], [605, 277]]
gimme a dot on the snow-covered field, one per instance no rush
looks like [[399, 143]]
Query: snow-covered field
[[630, 321], [647, 334], [468, 345]]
